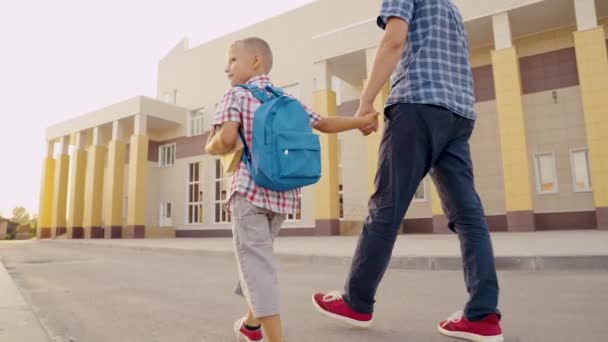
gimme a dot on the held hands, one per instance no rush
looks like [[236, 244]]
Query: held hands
[[369, 118]]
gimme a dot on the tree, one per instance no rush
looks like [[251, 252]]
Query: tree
[[34, 221], [21, 216]]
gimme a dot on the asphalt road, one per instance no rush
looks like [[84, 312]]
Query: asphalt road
[[93, 294]]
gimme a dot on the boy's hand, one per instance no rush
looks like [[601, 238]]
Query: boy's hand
[[368, 122], [367, 109]]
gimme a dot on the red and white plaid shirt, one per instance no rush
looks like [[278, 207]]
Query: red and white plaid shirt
[[239, 105]]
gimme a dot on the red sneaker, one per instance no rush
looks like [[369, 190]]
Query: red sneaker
[[246, 335], [486, 330], [332, 305]]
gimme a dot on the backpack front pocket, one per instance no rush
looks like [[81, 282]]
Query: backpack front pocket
[[299, 155]]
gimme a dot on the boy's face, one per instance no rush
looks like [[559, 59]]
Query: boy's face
[[241, 65]]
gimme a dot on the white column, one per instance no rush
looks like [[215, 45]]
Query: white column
[[502, 31], [321, 76], [586, 15], [141, 125], [117, 130]]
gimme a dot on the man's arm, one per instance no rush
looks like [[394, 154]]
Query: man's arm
[[222, 140], [387, 56]]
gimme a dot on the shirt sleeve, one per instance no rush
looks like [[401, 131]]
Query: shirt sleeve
[[229, 109], [403, 9], [314, 118]]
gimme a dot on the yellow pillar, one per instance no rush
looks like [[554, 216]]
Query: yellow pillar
[[113, 196], [327, 196], [512, 130], [93, 188], [45, 204], [77, 179], [138, 165], [592, 61], [60, 190]]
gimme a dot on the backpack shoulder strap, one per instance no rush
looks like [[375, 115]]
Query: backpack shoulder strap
[[257, 92]]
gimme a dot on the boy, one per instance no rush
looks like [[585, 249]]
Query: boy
[[258, 213]]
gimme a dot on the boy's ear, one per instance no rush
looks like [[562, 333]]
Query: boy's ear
[[257, 62]]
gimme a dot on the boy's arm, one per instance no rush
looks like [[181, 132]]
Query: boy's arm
[[225, 131], [222, 140], [341, 124]]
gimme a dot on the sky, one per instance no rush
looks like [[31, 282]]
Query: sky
[[64, 58]]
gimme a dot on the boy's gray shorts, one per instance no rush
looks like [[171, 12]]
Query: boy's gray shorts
[[254, 230]]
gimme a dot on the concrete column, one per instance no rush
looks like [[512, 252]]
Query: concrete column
[[138, 165], [327, 197], [512, 129], [60, 189], [113, 197], [592, 61], [45, 206], [586, 14], [93, 188], [77, 182]]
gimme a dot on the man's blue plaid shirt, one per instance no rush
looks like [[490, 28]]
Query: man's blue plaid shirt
[[434, 68]]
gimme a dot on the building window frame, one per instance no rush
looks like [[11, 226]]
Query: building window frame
[[166, 154], [537, 172], [196, 121], [221, 187], [194, 195], [573, 151], [165, 214], [297, 217]]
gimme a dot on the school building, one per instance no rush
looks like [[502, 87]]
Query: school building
[[540, 149]]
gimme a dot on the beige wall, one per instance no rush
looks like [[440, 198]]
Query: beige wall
[[354, 175], [487, 160], [557, 128], [535, 44]]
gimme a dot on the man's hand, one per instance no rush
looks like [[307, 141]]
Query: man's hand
[[364, 110]]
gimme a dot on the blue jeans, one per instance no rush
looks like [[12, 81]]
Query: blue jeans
[[419, 139]]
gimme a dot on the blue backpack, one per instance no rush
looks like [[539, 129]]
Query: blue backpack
[[284, 153]]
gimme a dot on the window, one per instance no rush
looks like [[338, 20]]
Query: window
[[195, 195], [195, 122], [420, 195], [341, 187], [165, 214], [166, 155], [546, 177], [169, 96], [222, 183], [580, 170], [298, 214]]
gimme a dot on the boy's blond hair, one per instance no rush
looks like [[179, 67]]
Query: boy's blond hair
[[259, 47]]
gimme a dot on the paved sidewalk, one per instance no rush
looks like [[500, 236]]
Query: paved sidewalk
[[520, 251], [17, 320]]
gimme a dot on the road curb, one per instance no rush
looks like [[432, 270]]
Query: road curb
[[431, 263]]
